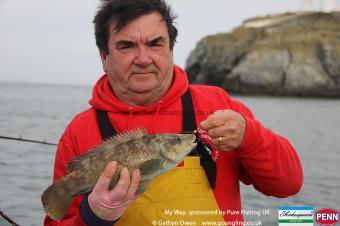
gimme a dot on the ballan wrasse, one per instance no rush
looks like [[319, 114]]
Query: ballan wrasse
[[136, 149]]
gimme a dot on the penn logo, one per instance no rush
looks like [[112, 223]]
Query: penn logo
[[327, 216]]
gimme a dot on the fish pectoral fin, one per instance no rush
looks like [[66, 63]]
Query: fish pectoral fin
[[151, 166], [143, 185]]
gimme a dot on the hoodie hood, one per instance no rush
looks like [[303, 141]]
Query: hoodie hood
[[103, 97]]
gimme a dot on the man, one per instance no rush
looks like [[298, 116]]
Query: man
[[142, 88]]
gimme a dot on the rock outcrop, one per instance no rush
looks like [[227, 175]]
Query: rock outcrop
[[288, 54]]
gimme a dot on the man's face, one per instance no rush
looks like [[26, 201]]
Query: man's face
[[140, 62]]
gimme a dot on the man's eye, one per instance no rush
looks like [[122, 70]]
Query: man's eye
[[125, 47], [155, 44]]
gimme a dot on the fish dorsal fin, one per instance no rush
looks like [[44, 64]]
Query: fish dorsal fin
[[75, 163], [127, 136]]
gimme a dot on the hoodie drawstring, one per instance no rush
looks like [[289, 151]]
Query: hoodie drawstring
[[129, 118], [154, 117]]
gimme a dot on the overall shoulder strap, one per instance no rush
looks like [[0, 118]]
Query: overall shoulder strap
[[188, 119], [105, 127], [202, 149]]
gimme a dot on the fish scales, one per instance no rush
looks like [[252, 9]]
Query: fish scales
[[152, 154], [131, 154]]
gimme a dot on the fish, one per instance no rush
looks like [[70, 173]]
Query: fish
[[136, 149]]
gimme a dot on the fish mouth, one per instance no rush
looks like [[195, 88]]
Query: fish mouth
[[197, 135], [181, 150]]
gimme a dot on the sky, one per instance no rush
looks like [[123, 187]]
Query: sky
[[52, 41]]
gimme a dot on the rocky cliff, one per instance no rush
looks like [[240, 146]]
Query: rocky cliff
[[287, 54]]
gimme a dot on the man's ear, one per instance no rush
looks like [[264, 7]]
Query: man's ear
[[103, 58]]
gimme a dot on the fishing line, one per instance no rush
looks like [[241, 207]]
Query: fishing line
[[27, 140], [9, 220], [4, 216]]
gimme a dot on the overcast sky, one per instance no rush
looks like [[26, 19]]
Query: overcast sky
[[52, 41]]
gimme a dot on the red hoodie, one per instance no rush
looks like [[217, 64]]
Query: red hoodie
[[264, 159]]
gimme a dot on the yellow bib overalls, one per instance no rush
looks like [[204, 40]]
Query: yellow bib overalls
[[181, 196]]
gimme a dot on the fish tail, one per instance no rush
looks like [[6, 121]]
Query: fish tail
[[57, 198]]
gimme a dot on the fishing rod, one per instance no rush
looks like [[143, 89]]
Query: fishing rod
[[9, 220], [27, 140]]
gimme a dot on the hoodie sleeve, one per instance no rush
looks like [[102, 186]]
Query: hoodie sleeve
[[65, 152], [269, 162]]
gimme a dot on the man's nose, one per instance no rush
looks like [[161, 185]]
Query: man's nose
[[142, 58]]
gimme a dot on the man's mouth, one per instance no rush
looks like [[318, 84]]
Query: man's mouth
[[142, 73]]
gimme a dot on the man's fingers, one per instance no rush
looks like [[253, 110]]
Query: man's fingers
[[212, 121], [205, 125], [135, 179], [110, 170], [217, 132], [119, 191], [106, 177]]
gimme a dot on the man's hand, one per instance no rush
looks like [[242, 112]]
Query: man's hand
[[110, 204], [226, 129]]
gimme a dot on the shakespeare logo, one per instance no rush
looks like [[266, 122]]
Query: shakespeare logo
[[296, 216]]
